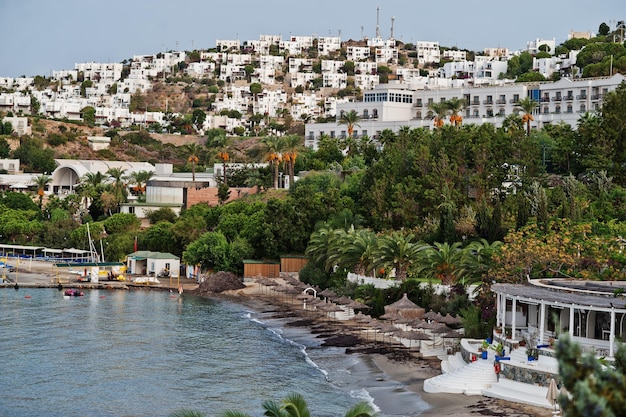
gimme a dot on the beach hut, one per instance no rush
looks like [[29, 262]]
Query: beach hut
[[163, 264], [292, 263], [267, 269], [405, 308]]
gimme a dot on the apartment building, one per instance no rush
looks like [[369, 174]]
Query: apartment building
[[396, 105], [328, 44], [454, 55], [224, 45], [428, 52], [357, 53]]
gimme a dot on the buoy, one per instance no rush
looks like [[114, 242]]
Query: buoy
[[27, 296], [103, 296]]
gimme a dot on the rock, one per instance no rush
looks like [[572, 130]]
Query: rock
[[220, 282]]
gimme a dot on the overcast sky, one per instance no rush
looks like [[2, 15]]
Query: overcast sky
[[39, 36]]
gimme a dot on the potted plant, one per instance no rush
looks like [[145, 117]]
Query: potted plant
[[532, 353]]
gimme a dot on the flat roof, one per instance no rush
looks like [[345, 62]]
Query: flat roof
[[559, 293]]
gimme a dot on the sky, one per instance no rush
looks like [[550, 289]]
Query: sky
[[41, 36]]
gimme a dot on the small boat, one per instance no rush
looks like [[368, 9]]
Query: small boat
[[73, 293]]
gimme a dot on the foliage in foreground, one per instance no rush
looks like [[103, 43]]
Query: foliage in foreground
[[596, 389], [294, 405]]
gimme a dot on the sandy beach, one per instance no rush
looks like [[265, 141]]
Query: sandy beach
[[396, 362]]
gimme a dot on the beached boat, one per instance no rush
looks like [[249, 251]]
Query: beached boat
[[146, 280], [73, 293]]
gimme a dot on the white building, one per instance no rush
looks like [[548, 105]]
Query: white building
[[533, 47], [357, 53], [428, 52], [395, 105], [328, 44], [224, 45]]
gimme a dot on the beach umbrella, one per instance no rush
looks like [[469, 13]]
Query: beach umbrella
[[430, 315], [357, 305], [553, 393]]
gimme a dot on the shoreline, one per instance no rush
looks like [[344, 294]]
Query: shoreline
[[395, 362]]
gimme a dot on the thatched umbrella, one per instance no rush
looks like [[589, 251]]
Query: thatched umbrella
[[430, 315], [411, 336], [357, 305], [405, 307], [328, 293]]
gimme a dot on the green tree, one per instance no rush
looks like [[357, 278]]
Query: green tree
[[594, 386], [88, 115], [210, 251]]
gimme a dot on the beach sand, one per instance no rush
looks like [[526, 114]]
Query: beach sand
[[397, 363]]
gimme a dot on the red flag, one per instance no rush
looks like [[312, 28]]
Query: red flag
[[135, 245]]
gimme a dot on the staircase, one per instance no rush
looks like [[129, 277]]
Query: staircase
[[518, 392], [467, 378]]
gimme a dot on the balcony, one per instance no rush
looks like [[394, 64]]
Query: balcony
[[581, 97], [475, 103], [545, 99], [596, 97], [569, 98], [501, 101], [488, 101], [558, 98], [514, 101]]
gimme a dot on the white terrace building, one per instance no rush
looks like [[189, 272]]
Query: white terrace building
[[591, 312], [395, 105]]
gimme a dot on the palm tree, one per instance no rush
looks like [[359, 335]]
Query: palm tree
[[274, 148], [440, 110], [455, 106], [399, 250], [293, 143], [350, 119], [192, 150], [357, 251], [445, 262], [42, 181], [527, 105], [140, 179], [221, 144], [294, 405], [118, 187], [91, 185]]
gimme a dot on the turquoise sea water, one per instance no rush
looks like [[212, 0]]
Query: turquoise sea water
[[151, 353]]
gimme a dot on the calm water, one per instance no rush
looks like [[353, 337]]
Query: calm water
[[148, 353]]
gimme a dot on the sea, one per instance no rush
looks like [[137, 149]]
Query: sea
[[155, 353]]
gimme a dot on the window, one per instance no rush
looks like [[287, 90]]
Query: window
[[546, 110], [366, 114], [569, 108], [557, 110], [583, 108]]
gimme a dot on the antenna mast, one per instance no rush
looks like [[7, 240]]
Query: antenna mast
[[377, 16], [393, 18]]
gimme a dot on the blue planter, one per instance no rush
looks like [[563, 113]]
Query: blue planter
[[484, 355]]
